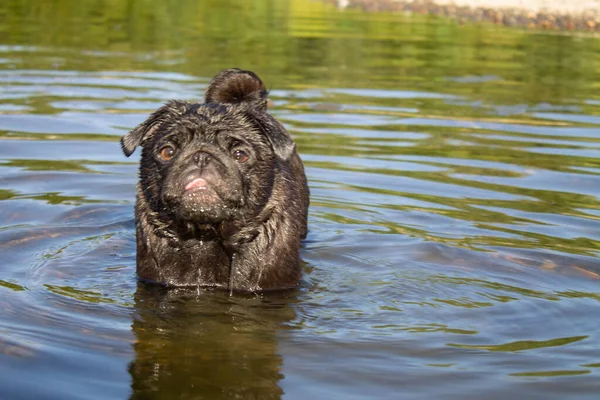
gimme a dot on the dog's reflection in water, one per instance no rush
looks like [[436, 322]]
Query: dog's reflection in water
[[207, 345]]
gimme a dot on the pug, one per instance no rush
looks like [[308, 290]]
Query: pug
[[222, 198]]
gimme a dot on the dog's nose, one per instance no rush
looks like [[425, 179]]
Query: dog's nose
[[202, 158]]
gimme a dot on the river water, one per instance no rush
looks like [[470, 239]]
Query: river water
[[454, 245]]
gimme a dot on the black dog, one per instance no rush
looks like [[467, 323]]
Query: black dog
[[222, 199]]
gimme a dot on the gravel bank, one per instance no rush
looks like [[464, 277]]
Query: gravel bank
[[574, 15]]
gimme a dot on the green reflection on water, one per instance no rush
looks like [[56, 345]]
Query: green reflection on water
[[50, 165], [13, 286], [79, 294], [45, 136], [6, 194], [552, 373], [522, 345], [302, 42], [440, 328], [58, 198]]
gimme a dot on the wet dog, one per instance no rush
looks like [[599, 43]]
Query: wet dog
[[222, 199]]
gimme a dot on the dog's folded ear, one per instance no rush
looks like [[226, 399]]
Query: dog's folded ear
[[237, 86], [281, 141], [147, 128]]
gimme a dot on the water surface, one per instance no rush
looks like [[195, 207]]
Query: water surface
[[454, 245]]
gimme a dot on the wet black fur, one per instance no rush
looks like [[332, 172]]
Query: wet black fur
[[243, 233]]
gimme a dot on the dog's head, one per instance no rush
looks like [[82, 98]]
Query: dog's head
[[206, 163]]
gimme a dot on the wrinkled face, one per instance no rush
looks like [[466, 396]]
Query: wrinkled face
[[208, 166]]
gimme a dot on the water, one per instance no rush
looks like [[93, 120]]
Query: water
[[454, 237]]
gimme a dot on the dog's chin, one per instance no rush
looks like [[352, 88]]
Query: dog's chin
[[203, 207]]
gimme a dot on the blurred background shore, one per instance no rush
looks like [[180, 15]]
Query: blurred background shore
[[581, 15]]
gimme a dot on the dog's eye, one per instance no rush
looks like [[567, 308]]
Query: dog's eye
[[240, 156], [167, 152]]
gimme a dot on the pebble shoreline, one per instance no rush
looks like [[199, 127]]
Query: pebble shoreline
[[533, 14]]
